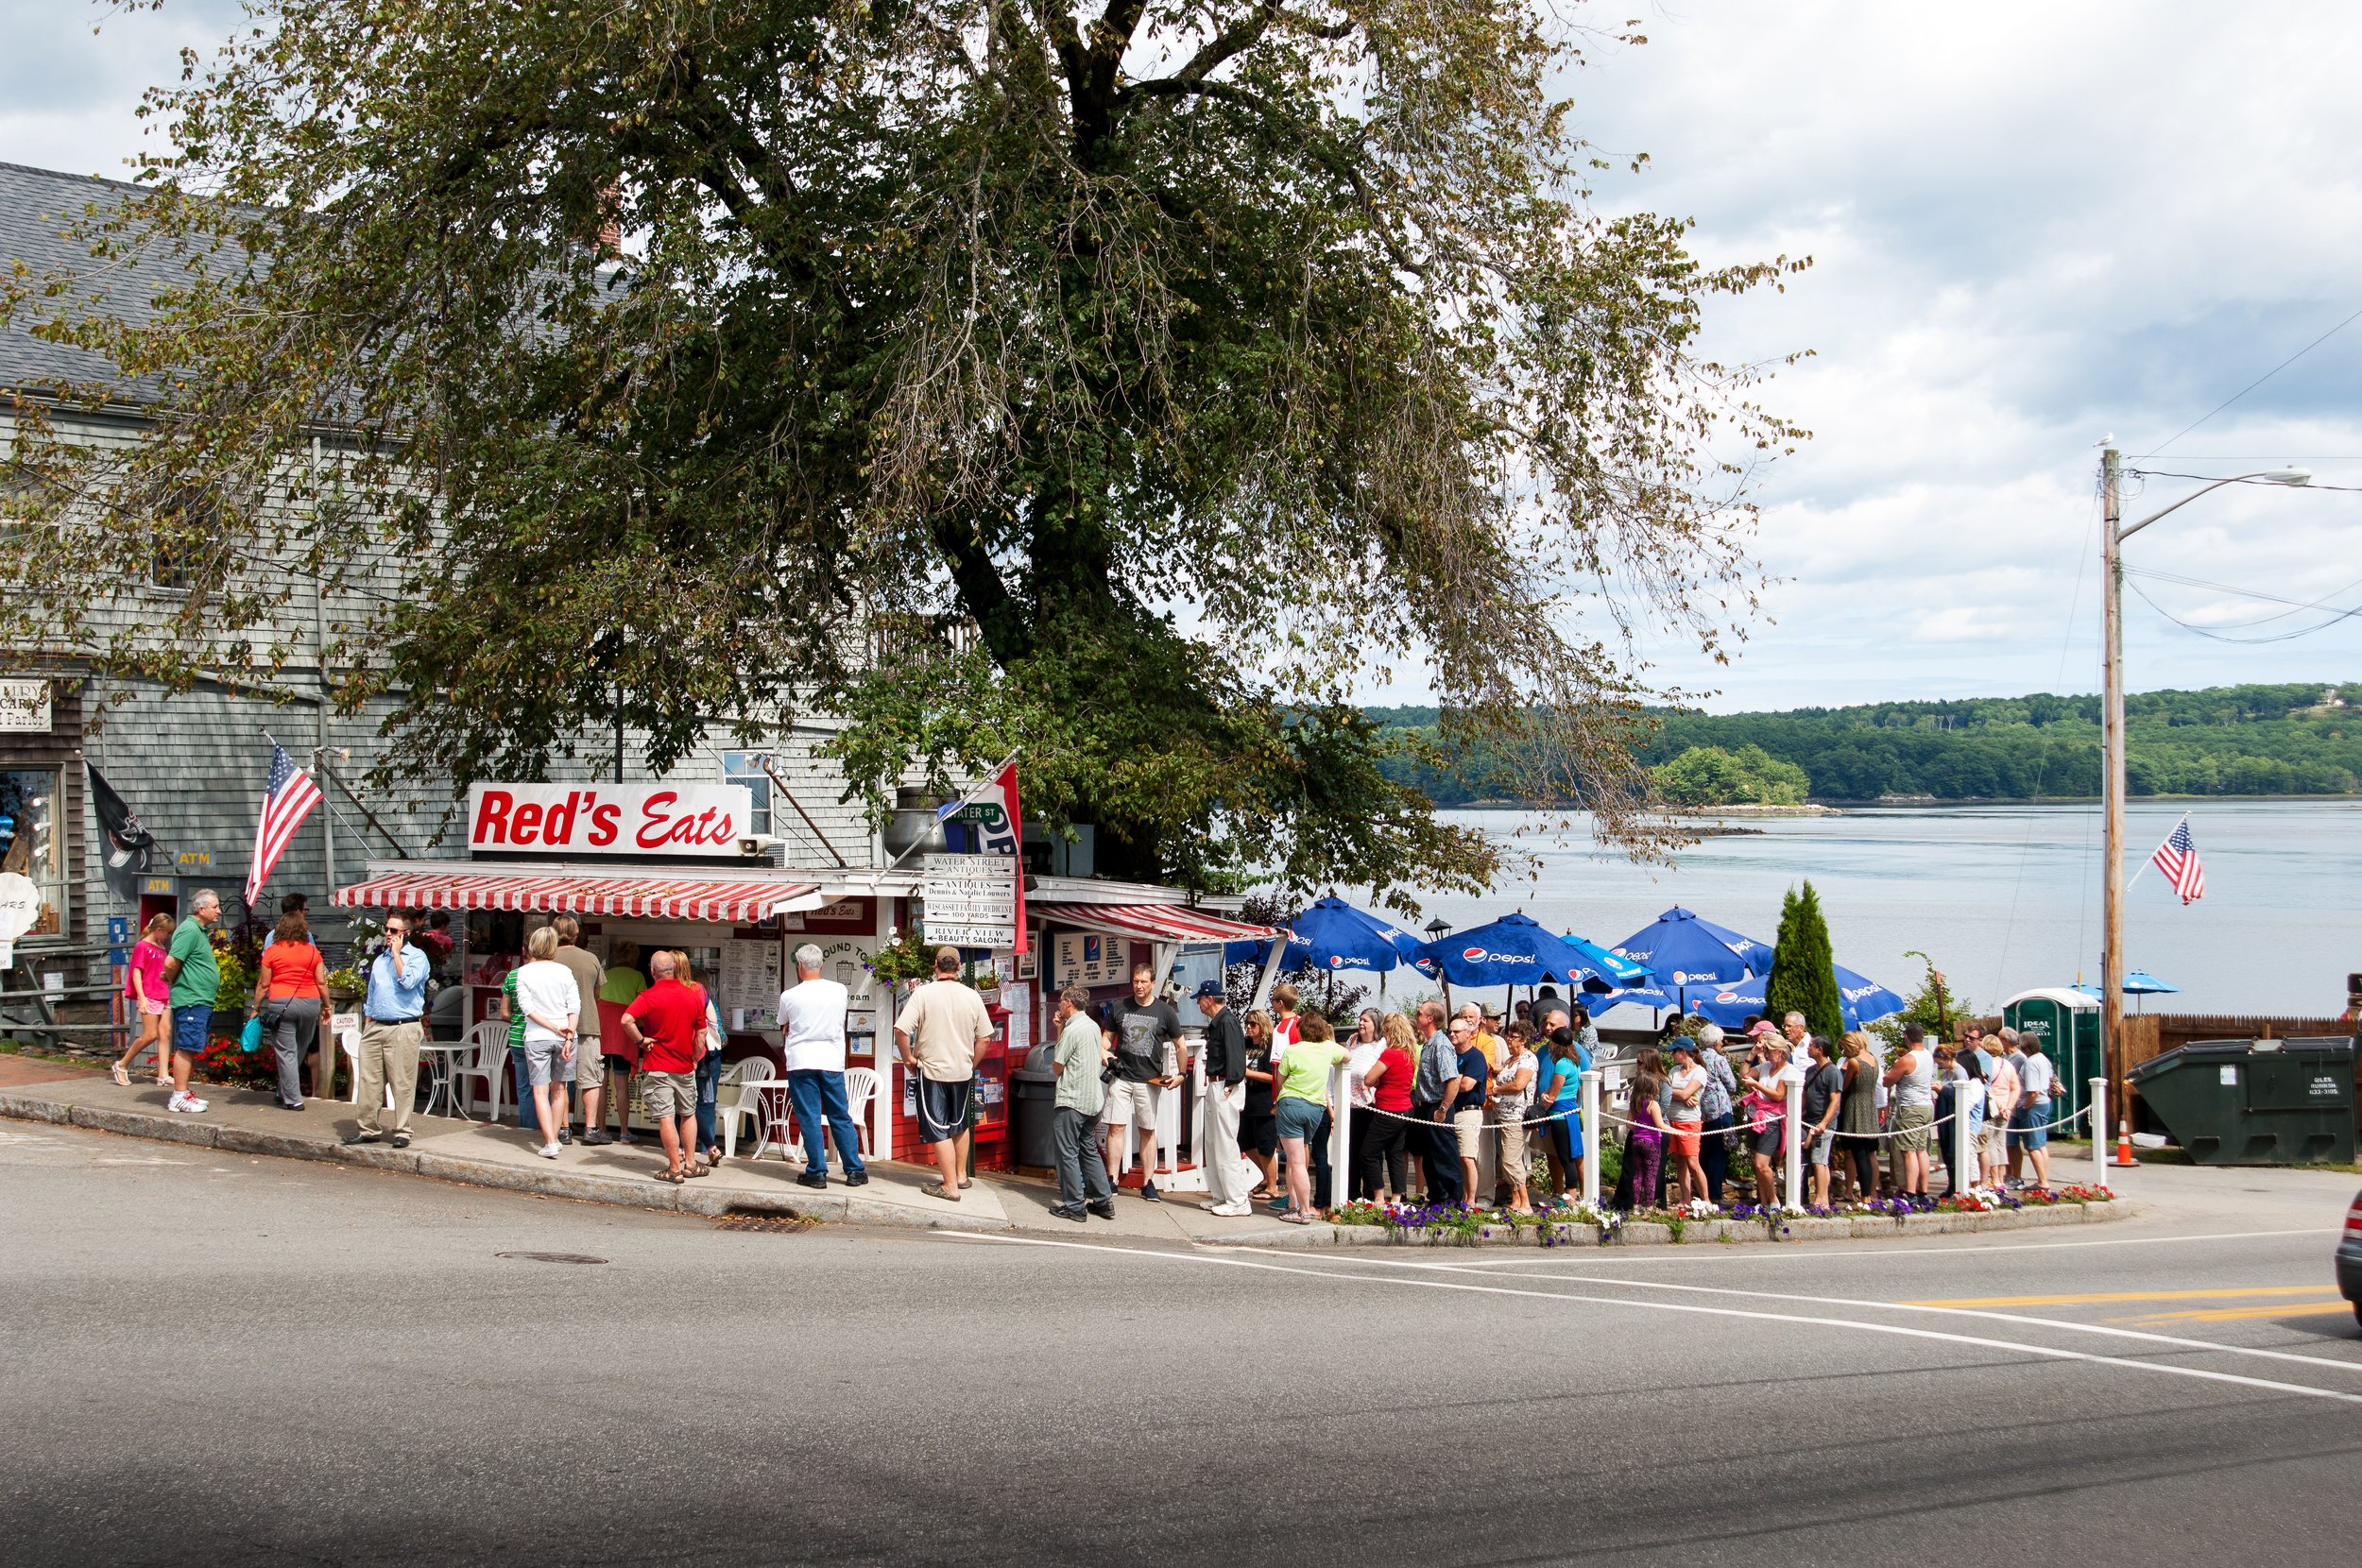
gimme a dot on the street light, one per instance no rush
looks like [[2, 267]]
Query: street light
[[2113, 535]]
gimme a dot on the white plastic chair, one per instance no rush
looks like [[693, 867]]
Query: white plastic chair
[[487, 1059], [752, 1079], [861, 1088], [353, 1070]]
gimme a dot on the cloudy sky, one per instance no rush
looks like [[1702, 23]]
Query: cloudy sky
[[2032, 225]]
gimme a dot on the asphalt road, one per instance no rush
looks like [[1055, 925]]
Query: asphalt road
[[211, 1359]]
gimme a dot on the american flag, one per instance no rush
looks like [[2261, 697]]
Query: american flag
[[2178, 859], [288, 797]]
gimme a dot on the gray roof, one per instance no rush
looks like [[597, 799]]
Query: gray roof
[[39, 209]]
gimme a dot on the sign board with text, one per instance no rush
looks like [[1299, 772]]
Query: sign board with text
[[1086, 958], [702, 821], [24, 706], [971, 899]]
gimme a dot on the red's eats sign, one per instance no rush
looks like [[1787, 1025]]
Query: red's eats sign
[[701, 820]]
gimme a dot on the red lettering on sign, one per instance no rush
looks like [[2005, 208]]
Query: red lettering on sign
[[659, 826], [491, 817], [604, 818], [525, 823]]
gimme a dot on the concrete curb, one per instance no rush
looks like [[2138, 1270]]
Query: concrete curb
[[1644, 1232], [581, 1187]]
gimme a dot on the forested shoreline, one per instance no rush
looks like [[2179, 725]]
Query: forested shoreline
[[2221, 741]]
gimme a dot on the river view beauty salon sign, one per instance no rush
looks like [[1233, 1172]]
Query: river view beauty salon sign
[[704, 821]]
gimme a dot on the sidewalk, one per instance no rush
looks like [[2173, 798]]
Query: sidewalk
[[246, 1122]]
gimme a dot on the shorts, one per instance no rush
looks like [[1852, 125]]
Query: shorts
[[1991, 1140], [1259, 1135], [1468, 1127], [1133, 1102], [1683, 1145], [2029, 1127], [589, 1066], [191, 1026], [944, 1108], [545, 1062], [1516, 1164], [1299, 1119], [1817, 1150], [1771, 1142], [155, 1009], [669, 1095], [1910, 1125]]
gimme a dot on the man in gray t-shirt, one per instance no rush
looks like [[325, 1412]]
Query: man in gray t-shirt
[[1079, 1055]]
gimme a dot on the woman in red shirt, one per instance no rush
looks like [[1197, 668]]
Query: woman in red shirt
[[290, 984], [1385, 1154]]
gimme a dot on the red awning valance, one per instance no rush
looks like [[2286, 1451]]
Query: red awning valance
[[1158, 922], [736, 901]]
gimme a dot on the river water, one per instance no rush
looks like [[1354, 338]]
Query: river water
[[2004, 898]]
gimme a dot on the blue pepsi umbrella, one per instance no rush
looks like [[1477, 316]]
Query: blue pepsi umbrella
[[1514, 950], [1859, 1000], [1612, 967], [1332, 934], [2140, 982], [1689, 956]]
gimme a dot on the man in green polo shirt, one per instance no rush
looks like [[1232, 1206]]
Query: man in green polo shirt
[[196, 980]]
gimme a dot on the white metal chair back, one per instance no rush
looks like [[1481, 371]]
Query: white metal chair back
[[861, 1090], [487, 1060], [752, 1078]]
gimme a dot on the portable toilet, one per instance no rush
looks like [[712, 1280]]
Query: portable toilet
[[2067, 1024]]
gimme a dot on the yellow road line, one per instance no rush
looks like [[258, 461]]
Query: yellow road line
[[2238, 1314], [2126, 1296]]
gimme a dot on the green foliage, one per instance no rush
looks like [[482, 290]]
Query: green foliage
[[1804, 972], [1934, 1007], [1710, 775], [1119, 385], [2223, 740]]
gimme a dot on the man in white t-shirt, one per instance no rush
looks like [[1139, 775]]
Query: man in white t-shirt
[[551, 1005], [938, 1034], [812, 1029]]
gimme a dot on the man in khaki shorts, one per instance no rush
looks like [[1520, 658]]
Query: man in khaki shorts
[[666, 1022], [590, 1067]]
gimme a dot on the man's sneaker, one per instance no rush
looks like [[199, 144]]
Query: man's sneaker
[[566, 1135], [857, 1179], [1062, 1212], [1105, 1211], [1148, 1190], [549, 1151], [811, 1178], [598, 1137], [1239, 1210], [360, 1137]]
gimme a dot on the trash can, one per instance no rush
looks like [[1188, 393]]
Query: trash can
[[2067, 1024], [2255, 1102], [1032, 1104]]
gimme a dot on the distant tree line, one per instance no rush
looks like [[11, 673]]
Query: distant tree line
[[2223, 740]]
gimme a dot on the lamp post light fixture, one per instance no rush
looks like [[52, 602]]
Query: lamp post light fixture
[[2113, 532]]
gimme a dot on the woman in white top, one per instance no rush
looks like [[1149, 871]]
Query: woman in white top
[[552, 1003], [1362, 1053], [1911, 1109], [1512, 1103]]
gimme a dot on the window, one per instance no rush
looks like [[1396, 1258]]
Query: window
[[32, 838], [187, 530], [746, 767]]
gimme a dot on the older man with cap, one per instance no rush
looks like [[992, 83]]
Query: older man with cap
[[1229, 1177]]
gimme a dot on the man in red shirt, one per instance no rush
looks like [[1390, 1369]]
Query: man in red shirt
[[666, 1022]]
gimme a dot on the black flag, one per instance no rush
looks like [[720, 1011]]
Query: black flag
[[130, 849]]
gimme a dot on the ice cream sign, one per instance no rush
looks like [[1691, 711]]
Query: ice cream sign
[[701, 820]]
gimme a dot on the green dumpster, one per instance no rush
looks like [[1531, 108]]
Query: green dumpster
[[2067, 1024], [2255, 1102]]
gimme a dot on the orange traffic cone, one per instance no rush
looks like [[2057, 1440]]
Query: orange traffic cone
[[2124, 1143]]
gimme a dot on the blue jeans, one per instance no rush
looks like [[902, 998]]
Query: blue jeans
[[819, 1096], [520, 1079], [709, 1090]]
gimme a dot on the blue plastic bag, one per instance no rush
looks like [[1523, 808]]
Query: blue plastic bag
[[251, 1037]]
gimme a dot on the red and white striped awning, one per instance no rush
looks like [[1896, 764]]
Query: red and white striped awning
[[738, 901], [1158, 922]]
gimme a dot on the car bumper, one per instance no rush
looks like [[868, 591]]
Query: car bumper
[[2349, 1269]]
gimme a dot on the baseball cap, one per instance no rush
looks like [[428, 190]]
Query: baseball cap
[[1763, 1027], [1209, 988]]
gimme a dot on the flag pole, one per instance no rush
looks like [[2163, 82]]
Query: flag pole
[[974, 790]]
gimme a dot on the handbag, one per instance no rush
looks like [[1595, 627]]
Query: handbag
[[251, 1037]]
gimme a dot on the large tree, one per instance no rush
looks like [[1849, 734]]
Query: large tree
[[1128, 387]]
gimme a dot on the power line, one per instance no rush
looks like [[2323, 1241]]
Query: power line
[[2244, 641], [2258, 381]]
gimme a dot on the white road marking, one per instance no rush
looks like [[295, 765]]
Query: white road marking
[[1856, 1325], [1860, 1302], [1804, 1251]]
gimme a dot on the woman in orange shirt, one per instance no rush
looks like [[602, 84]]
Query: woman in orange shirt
[[290, 982]]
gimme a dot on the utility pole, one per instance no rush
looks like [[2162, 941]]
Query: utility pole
[[2112, 785], [324, 1074]]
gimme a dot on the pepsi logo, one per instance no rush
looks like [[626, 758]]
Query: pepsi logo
[[1336, 960], [1474, 955], [1726, 997]]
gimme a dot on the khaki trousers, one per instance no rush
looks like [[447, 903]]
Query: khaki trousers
[[390, 1062]]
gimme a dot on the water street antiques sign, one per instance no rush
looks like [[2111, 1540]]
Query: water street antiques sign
[[24, 706], [972, 900], [704, 820]]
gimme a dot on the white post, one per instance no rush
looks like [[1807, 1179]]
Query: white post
[[2099, 1112], [1587, 1096], [1340, 1139], [882, 1109], [1794, 1131], [1962, 1170]]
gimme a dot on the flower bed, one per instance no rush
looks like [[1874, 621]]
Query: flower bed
[[1447, 1223]]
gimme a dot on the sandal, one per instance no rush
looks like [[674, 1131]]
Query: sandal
[[1295, 1217], [695, 1171], [935, 1189], [123, 1075], [966, 1181], [675, 1177]]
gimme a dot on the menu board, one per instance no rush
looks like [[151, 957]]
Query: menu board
[[1083, 958], [751, 984]]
